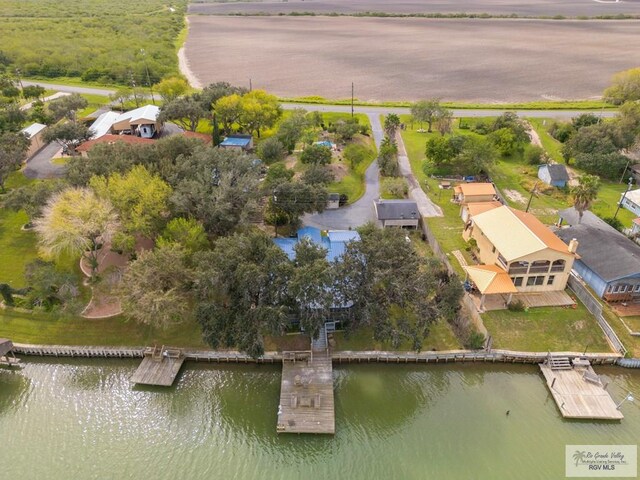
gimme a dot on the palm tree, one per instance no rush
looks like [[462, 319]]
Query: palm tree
[[579, 456], [391, 124], [585, 193]]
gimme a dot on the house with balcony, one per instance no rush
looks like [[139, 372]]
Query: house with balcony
[[516, 242], [609, 262]]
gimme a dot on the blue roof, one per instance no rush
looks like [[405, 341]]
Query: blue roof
[[335, 241], [236, 142]]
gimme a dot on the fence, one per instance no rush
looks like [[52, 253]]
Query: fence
[[595, 307]]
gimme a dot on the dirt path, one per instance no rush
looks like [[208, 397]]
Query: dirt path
[[184, 66]]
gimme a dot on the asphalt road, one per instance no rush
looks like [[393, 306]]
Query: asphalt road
[[40, 166], [70, 88], [524, 8]]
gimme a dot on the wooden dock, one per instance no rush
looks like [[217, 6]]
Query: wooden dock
[[579, 392], [7, 356], [306, 393], [160, 366]]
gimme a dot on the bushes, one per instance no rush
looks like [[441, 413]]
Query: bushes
[[316, 154], [395, 187], [271, 150], [355, 154], [388, 159], [535, 155]]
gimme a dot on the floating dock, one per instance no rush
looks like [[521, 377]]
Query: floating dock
[[306, 393], [160, 366], [578, 390], [6, 353]]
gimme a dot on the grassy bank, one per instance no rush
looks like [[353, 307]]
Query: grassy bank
[[533, 105]]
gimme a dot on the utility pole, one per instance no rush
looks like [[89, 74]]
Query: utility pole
[[351, 99], [133, 89], [624, 195], [533, 190], [625, 170], [19, 79], [146, 67]]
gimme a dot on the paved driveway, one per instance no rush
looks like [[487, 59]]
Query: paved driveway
[[40, 166], [361, 211]]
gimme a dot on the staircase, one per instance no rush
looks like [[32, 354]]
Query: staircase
[[319, 344], [559, 363]]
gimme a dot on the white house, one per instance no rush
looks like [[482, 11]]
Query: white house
[[631, 201], [142, 122], [103, 124]]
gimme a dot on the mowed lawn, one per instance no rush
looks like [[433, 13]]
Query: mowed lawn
[[17, 247], [546, 329]]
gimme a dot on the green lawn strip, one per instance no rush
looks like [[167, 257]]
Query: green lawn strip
[[17, 247], [536, 105], [546, 329], [441, 337], [40, 328], [631, 342], [633, 323], [95, 102]]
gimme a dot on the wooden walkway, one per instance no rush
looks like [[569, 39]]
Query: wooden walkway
[[577, 397], [306, 394], [159, 367]]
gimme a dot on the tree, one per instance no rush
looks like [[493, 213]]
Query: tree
[[215, 91], [49, 286], [356, 154], [218, 187], [242, 292], [316, 155], [172, 88], [121, 95], [426, 111], [140, 198], [39, 114], [444, 121], [584, 120], [68, 134], [76, 222], [33, 92], [185, 111], [440, 151], [311, 286], [228, 110], [394, 291], [259, 110], [188, 233], [585, 193], [504, 141], [317, 175], [391, 125], [11, 117], [155, 288], [290, 200], [397, 187], [67, 106], [535, 155], [276, 174], [13, 151], [32, 197], [345, 130], [511, 121], [291, 129], [271, 150], [625, 87], [477, 156], [388, 158]]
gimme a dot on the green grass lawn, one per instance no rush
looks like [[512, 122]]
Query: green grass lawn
[[441, 337], [631, 342], [352, 184], [17, 247], [546, 329], [95, 102], [47, 329]]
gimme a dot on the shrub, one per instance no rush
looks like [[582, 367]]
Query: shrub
[[561, 131], [271, 150], [475, 341], [516, 306], [397, 187], [535, 155], [317, 175], [316, 154], [355, 154]]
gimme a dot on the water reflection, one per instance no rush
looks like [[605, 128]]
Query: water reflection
[[14, 389]]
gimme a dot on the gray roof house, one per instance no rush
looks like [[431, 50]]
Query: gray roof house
[[553, 174], [609, 262], [397, 213]]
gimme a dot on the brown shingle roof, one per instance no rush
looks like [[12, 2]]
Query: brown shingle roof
[[110, 139]]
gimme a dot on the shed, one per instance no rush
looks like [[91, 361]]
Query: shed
[[474, 192], [244, 142], [397, 213], [333, 201], [34, 132], [553, 174]]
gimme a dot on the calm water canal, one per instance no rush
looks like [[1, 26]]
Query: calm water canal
[[84, 420]]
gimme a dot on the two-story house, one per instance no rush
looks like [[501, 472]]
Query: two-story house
[[535, 259]]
